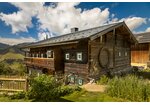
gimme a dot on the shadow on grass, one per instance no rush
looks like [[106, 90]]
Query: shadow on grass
[[143, 74], [57, 100]]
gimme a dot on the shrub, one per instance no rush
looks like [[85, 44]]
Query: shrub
[[65, 90], [5, 69], [103, 80], [129, 87], [19, 95], [44, 88], [15, 68]]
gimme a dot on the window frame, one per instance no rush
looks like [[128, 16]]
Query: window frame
[[42, 55], [49, 54], [67, 56], [81, 56], [126, 53], [32, 55], [119, 53], [80, 81], [37, 55]]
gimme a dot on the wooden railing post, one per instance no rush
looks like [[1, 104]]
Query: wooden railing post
[[26, 84]]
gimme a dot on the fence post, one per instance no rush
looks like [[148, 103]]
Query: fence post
[[26, 84]]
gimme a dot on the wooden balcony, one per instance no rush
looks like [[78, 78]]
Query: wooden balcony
[[40, 62]]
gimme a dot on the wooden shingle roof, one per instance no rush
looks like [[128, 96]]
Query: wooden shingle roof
[[143, 37], [83, 34]]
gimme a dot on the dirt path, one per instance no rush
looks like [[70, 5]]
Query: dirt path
[[94, 87]]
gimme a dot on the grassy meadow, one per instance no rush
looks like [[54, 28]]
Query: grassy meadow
[[130, 88], [11, 55]]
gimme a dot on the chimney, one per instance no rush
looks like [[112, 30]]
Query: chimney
[[75, 29]]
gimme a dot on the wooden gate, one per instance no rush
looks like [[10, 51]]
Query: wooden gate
[[13, 83]]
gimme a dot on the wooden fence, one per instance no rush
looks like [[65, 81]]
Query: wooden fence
[[13, 83]]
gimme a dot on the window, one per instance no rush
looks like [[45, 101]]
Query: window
[[37, 55], [79, 56], [72, 79], [119, 53], [126, 53], [32, 55], [80, 82], [67, 56], [49, 54], [41, 55]]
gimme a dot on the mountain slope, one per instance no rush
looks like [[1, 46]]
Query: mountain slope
[[11, 55], [4, 46]]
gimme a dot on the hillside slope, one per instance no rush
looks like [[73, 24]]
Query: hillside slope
[[11, 52], [11, 55], [3, 46]]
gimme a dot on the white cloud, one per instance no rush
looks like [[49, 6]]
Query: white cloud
[[61, 17], [65, 16], [134, 22], [19, 21], [148, 29], [56, 19], [14, 41], [22, 19]]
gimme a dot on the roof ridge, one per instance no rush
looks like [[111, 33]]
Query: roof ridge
[[83, 30], [78, 34], [141, 33]]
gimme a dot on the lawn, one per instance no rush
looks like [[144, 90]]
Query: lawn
[[7, 99], [11, 55], [84, 96], [121, 89], [78, 96]]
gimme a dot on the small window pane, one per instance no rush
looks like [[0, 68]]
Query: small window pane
[[80, 82], [119, 53], [49, 54], [126, 53], [37, 55], [79, 56], [72, 79], [32, 55], [41, 55], [67, 56]]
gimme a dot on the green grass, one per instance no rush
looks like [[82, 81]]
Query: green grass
[[77, 96], [11, 55], [7, 99], [121, 89], [84, 96], [129, 87]]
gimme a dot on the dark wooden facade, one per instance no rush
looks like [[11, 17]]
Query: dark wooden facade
[[107, 52], [110, 54]]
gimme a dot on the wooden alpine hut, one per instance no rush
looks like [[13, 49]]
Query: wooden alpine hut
[[83, 55]]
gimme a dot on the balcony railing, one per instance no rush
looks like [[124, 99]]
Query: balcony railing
[[40, 62]]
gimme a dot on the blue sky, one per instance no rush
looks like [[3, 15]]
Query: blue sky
[[29, 22]]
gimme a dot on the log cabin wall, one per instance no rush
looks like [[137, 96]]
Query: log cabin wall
[[98, 58], [74, 67], [140, 54], [110, 53], [37, 59], [122, 55], [58, 64]]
